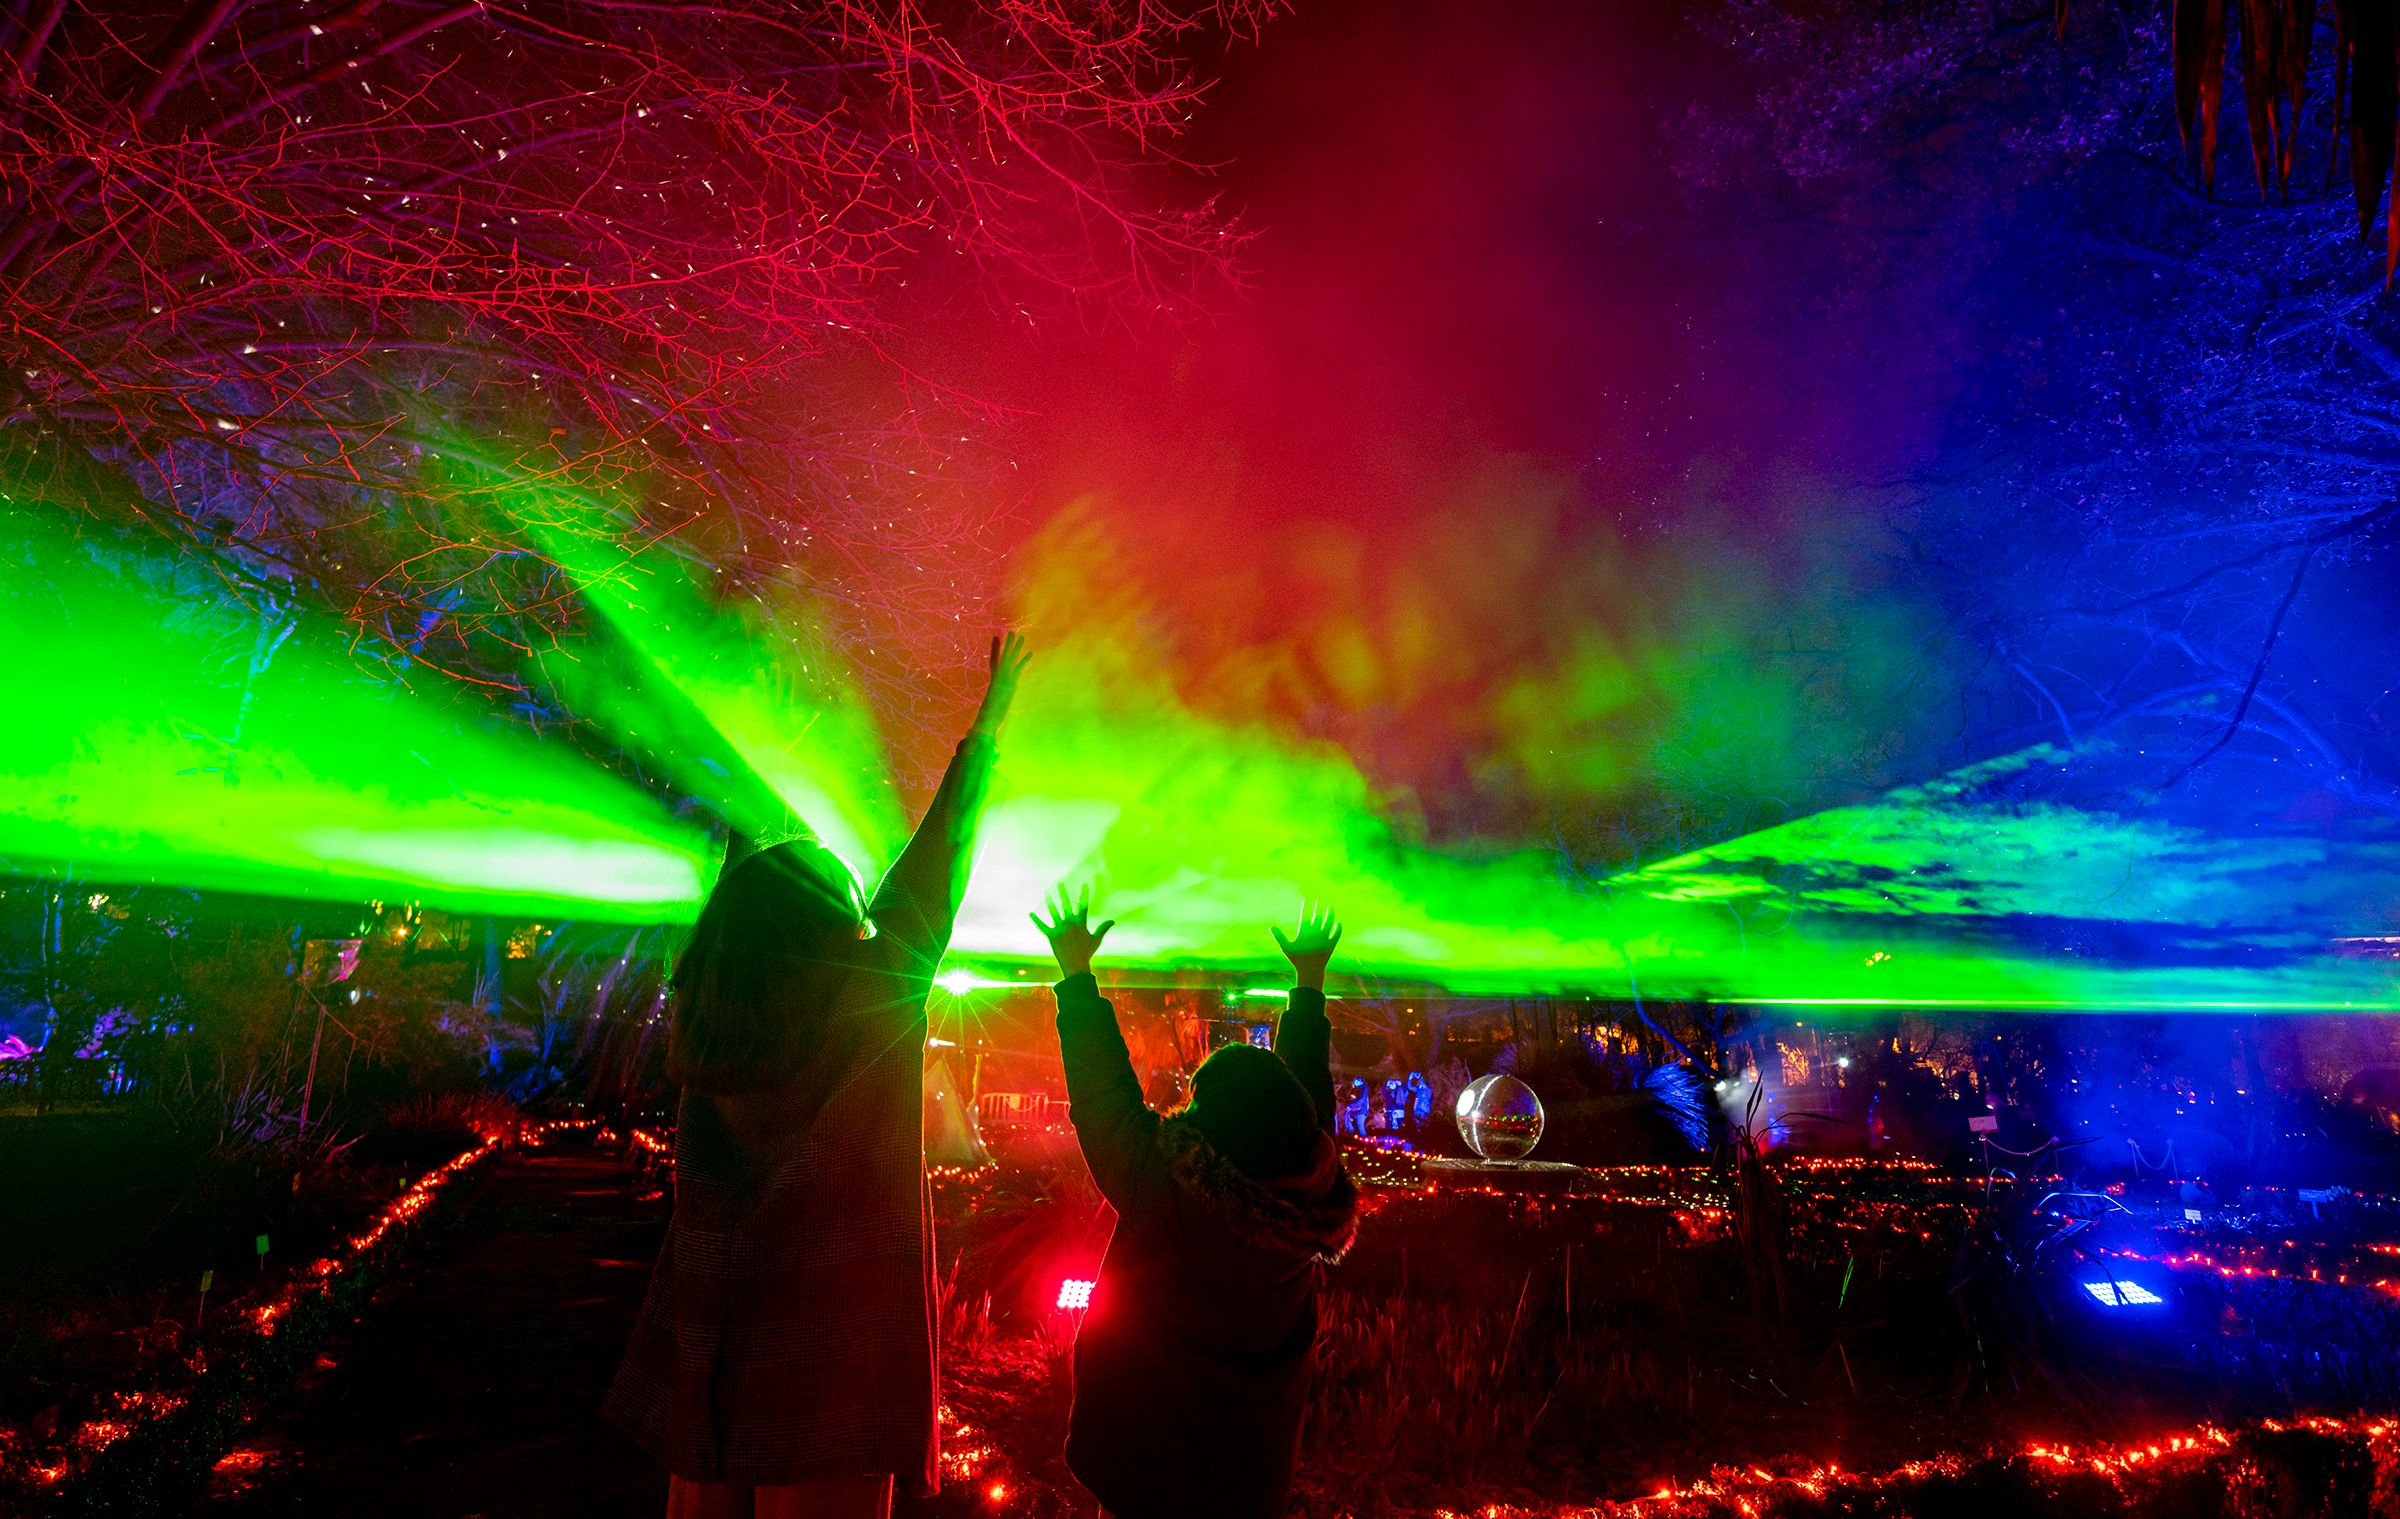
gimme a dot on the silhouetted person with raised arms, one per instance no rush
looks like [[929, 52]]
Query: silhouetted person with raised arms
[[1192, 1363], [784, 1361]]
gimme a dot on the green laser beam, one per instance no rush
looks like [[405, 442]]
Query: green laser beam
[[169, 732], [1200, 831], [163, 731]]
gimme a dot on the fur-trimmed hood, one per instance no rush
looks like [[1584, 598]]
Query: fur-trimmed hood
[[1314, 1215]]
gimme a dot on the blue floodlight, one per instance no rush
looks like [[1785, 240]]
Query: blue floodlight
[[2122, 1294]]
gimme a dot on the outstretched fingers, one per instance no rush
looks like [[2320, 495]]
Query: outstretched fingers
[[1007, 653], [1068, 910], [1061, 913], [1073, 939], [1318, 928]]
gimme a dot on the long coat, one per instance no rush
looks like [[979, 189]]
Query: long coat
[[789, 1330], [1192, 1365]]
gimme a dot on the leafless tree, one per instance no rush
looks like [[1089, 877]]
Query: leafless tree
[[324, 289]]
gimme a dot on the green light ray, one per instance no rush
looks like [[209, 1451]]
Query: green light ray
[[1199, 832], [165, 733], [1956, 893], [748, 706], [149, 750], [961, 982]]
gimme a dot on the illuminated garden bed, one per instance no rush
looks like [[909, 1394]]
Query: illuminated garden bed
[[1597, 1351], [191, 1379]]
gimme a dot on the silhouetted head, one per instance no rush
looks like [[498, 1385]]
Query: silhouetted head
[[1254, 1112], [770, 949]]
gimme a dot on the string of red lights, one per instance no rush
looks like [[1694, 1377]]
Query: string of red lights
[[76, 1451], [2194, 1260], [972, 1460], [1754, 1491]]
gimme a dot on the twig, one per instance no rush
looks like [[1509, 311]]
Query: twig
[[1509, 1346], [2257, 672], [2309, 545]]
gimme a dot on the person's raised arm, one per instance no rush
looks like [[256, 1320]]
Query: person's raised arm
[[1116, 1129], [1305, 1038], [918, 898]]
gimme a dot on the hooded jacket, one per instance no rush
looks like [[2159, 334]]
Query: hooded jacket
[[1192, 1364]]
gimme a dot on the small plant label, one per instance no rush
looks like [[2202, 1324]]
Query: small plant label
[[262, 1252], [208, 1279]]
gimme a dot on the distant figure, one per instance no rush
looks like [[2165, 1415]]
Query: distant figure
[[1354, 1109], [1192, 1363], [783, 1363], [1395, 1104], [1420, 1098]]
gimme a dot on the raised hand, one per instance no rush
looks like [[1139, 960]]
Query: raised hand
[[1312, 946], [1008, 659], [1073, 940]]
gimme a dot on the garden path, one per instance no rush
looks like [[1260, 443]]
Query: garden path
[[472, 1385]]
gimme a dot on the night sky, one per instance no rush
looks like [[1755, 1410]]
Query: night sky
[[1511, 394]]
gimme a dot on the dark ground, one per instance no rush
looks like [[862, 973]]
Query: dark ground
[[473, 1385], [470, 1387]]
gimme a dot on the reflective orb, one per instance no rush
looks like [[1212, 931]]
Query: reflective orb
[[1500, 1118]]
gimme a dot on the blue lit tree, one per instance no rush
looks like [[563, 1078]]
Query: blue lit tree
[[2165, 444]]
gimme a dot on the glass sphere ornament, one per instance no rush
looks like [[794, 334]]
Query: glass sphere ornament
[[1499, 1117]]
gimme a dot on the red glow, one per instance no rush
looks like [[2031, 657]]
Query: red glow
[[2193, 1260], [137, 1408], [964, 1455], [1746, 1488]]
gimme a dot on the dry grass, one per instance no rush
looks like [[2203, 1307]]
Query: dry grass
[[1484, 1349]]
